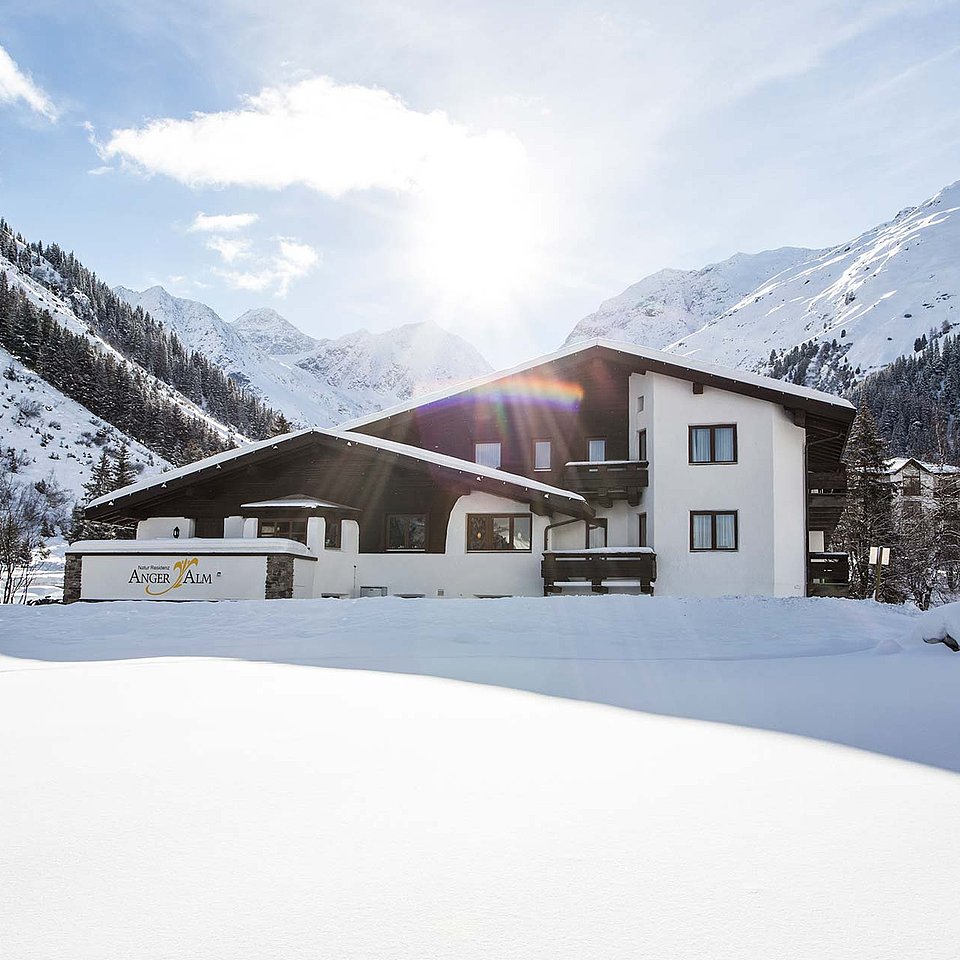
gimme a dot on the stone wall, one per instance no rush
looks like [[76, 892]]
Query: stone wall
[[71, 577], [279, 577]]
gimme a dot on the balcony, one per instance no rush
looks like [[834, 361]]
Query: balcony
[[607, 480], [828, 575], [826, 498], [600, 568]]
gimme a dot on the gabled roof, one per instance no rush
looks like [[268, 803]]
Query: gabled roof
[[896, 464], [738, 381], [508, 484]]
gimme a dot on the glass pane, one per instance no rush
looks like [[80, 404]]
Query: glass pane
[[501, 533], [487, 454], [331, 538], [417, 536], [700, 445], [521, 533], [395, 533], [642, 445], [723, 445], [726, 531], [597, 451], [643, 530], [476, 532], [541, 456], [702, 536], [597, 537]]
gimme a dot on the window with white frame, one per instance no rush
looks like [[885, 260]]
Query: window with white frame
[[597, 449], [714, 530], [487, 454], [542, 455]]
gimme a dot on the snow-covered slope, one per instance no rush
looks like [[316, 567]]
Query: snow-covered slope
[[272, 333], [621, 777], [875, 295], [42, 432], [337, 379], [667, 305]]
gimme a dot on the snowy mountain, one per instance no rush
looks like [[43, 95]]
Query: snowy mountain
[[272, 334], [43, 432], [669, 304], [336, 379], [385, 368], [875, 296]]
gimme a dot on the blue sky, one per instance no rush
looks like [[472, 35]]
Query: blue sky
[[496, 167]]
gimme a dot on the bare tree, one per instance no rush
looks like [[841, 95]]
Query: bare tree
[[30, 514]]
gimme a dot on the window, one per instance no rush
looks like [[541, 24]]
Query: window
[[641, 444], [640, 404], [911, 485], [331, 539], [713, 530], [597, 450], [487, 454], [407, 531], [597, 533], [488, 531], [642, 540], [287, 529], [542, 455], [713, 444]]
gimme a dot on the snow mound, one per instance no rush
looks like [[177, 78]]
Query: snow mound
[[939, 625]]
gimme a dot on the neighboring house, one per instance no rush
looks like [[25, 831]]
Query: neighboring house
[[604, 466], [917, 485]]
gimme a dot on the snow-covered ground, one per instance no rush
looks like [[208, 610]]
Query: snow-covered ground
[[704, 779]]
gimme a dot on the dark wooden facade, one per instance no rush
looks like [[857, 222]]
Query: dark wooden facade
[[375, 483]]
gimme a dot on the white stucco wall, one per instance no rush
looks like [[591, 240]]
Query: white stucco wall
[[765, 487], [456, 573], [157, 528]]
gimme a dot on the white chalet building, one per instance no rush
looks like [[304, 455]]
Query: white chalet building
[[603, 467]]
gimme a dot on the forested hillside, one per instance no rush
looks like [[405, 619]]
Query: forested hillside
[[916, 400], [116, 357]]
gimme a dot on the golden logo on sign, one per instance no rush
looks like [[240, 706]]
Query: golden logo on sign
[[181, 568]]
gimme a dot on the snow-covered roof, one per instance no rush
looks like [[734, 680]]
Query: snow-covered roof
[[216, 460], [298, 501], [193, 546], [782, 387], [453, 463], [896, 464], [464, 467]]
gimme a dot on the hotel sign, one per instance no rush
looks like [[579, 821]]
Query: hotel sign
[[163, 577]]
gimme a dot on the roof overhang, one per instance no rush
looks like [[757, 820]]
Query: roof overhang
[[136, 498]]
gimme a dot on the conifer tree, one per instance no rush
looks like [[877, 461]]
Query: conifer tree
[[867, 519]]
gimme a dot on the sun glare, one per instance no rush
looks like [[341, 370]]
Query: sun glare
[[479, 229]]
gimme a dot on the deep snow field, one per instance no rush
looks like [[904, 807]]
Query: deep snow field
[[739, 778]]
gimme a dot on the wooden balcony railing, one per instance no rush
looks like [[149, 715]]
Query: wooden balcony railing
[[600, 567], [828, 574], [607, 480], [826, 498]]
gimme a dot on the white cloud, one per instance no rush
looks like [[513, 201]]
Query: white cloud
[[100, 171], [331, 137], [222, 222], [16, 85], [230, 248], [276, 272]]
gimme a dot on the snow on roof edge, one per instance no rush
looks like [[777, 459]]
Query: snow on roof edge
[[218, 458], [677, 360], [391, 446]]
